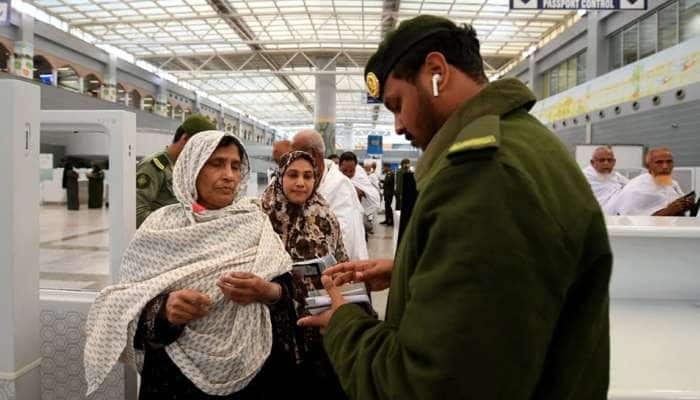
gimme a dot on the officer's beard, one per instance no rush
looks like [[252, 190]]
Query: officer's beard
[[663, 180], [428, 118]]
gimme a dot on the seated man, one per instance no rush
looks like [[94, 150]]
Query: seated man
[[653, 193], [604, 181]]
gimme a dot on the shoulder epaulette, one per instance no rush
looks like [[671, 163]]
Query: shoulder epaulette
[[473, 143], [482, 133], [160, 162]]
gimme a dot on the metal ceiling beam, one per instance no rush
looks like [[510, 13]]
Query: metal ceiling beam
[[257, 91], [320, 15], [339, 122], [340, 44], [224, 74], [227, 12]]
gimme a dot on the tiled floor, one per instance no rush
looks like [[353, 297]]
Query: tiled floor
[[74, 249]]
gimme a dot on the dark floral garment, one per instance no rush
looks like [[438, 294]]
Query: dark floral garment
[[307, 231]]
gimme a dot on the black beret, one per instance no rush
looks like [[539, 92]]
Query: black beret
[[197, 123], [397, 44]]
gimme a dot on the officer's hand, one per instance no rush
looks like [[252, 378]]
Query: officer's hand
[[375, 273], [245, 288], [323, 319], [186, 305]]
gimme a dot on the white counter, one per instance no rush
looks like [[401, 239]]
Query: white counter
[[655, 258], [655, 308], [655, 350], [655, 227]]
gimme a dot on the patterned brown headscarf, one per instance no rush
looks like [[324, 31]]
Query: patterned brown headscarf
[[307, 231]]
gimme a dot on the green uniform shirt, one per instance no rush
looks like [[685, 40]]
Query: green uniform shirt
[[500, 284], [154, 185]]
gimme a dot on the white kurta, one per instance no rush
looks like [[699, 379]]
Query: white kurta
[[604, 186], [342, 199], [643, 196]]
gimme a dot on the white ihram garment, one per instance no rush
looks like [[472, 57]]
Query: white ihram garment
[[604, 186], [371, 200], [342, 199], [643, 196]]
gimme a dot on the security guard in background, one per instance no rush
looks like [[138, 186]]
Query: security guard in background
[[499, 287], [154, 174]]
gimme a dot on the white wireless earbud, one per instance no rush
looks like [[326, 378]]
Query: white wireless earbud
[[436, 79]]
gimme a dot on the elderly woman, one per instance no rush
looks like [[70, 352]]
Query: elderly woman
[[308, 229], [192, 309]]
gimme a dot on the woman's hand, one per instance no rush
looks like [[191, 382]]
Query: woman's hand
[[376, 273], [245, 288], [186, 305]]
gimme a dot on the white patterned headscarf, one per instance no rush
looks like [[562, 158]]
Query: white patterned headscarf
[[184, 246]]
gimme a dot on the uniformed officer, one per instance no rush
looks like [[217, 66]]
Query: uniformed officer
[[96, 179], [154, 174], [499, 288]]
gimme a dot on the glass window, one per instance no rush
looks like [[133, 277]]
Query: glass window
[[546, 92], [689, 19], [581, 68], [647, 36], [570, 72], [554, 81], [630, 50], [616, 51], [668, 26]]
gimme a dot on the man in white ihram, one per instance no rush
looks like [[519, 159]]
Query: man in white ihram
[[366, 192], [338, 191], [373, 174], [653, 193], [604, 181]]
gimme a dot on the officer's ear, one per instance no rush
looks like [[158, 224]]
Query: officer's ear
[[436, 64]]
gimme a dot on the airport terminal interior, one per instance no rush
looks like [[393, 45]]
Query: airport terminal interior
[[98, 85]]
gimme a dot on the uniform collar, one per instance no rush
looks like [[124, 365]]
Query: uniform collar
[[497, 98], [167, 155]]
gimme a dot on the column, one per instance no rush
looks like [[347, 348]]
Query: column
[[197, 104], [324, 110], [23, 64], [161, 107], [534, 78], [19, 241], [220, 119], [597, 51], [109, 86]]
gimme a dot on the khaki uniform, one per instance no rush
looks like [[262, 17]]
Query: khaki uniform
[[154, 185], [500, 284]]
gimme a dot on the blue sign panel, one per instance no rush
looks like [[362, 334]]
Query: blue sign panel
[[374, 144], [5, 10], [578, 4]]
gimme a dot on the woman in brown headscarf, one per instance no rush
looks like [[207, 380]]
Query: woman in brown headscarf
[[308, 229]]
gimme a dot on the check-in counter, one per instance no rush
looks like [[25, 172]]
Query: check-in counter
[[655, 258], [655, 308]]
